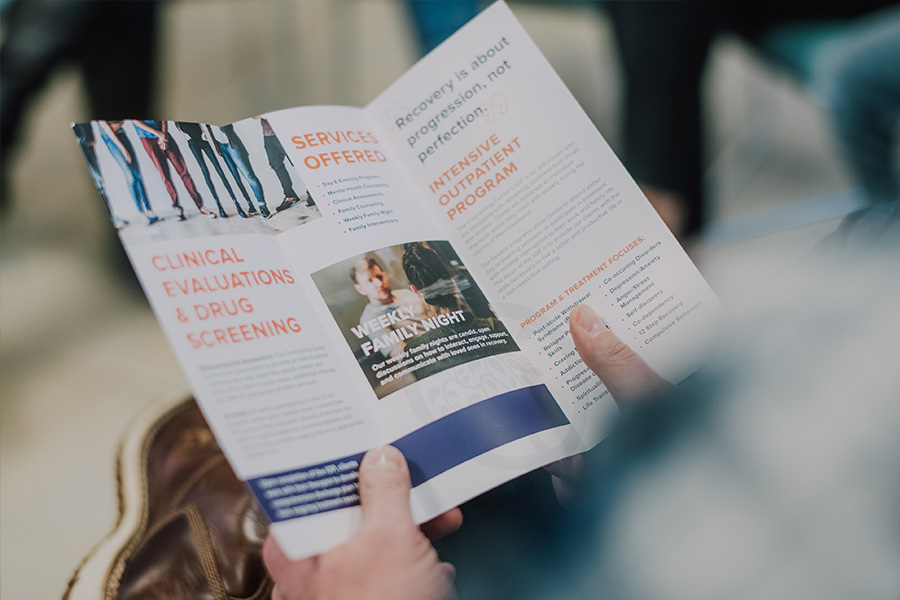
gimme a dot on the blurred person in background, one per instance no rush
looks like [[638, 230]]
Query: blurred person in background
[[663, 49], [433, 21], [113, 44], [857, 80]]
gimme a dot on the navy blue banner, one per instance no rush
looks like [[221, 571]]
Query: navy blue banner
[[431, 450]]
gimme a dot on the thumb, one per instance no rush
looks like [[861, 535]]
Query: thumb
[[625, 374], [384, 487]]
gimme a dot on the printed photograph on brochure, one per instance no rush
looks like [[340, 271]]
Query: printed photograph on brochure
[[190, 179], [409, 311]]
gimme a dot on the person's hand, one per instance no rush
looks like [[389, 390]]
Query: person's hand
[[565, 475], [627, 377], [625, 374], [442, 525], [389, 557]]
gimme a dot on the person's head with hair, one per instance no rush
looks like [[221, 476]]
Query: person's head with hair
[[429, 277], [370, 280]]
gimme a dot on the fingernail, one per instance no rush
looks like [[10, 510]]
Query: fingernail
[[387, 457], [591, 321]]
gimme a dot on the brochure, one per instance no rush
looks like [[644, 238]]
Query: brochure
[[335, 278]]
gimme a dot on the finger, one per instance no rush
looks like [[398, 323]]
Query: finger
[[448, 572], [277, 595], [273, 557], [567, 468], [624, 373], [286, 573], [443, 525], [384, 487]]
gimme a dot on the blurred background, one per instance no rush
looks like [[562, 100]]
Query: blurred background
[[80, 352]]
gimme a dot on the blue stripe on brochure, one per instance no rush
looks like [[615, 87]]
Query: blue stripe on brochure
[[430, 451]]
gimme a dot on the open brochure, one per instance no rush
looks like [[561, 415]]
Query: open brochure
[[336, 278]]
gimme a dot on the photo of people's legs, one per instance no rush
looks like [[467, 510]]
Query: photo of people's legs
[[256, 157], [122, 152], [277, 158], [221, 146], [85, 135], [202, 151], [166, 145], [241, 158], [163, 150]]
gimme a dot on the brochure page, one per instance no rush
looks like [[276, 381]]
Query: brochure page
[[438, 370], [542, 212], [336, 278]]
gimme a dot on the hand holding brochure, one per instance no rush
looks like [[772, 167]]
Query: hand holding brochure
[[336, 278]]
